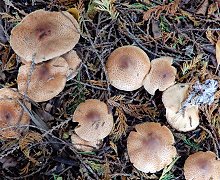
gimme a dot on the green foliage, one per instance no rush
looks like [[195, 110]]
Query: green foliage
[[164, 26], [57, 177]]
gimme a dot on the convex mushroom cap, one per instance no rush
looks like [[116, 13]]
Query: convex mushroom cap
[[126, 67], [83, 145], [151, 148], [73, 62], [43, 35], [202, 166], [12, 115], [181, 118], [95, 120], [47, 79], [161, 75]]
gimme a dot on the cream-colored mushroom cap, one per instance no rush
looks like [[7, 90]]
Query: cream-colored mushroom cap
[[73, 62], [83, 145], [95, 120], [126, 67], [47, 79], [182, 119], [161, 75], [43, 35], [12, 115], [202, 166], [151, 148]]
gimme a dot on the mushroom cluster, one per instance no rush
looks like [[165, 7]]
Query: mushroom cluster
[[44, 41], [129, 68], [95, 123]]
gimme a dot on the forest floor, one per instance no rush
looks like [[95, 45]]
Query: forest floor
[[185, 30]]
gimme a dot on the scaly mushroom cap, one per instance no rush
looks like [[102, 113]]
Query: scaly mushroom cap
[[202, 166], [12, 114], [83, 145], [126, 67], [161, 75], [95, 120], [47, 80], [73, 62], [151, 148], [43, 35], [182, 120]]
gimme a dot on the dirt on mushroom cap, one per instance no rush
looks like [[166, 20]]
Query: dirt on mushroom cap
[[47, 80], [95, 120], [12, 114], [151, 148], [161, 75], [44, 35], [126, 67]]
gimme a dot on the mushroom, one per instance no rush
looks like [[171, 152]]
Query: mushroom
[[161, 75], [95, 120], [73, 62], [12, 115], [181, 118], [83, 145], [45, 81], [151, 148], [126, 67], [43, 35], [202, 166]]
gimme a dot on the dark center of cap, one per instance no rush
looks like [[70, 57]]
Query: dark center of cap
[[151, 141], [204, 165], [43, 73], [125, 62], [93, 116], [43, 32]]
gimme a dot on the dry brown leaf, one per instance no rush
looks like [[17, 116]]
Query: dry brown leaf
[[74, 12], [218, 54], [212, 8], [210, 36], [203, 7], [190, 16]]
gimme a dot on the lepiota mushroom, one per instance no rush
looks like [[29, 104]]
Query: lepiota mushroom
[[151, 148], [95, 120], [161, 75], [126, 67], [180, 118], [43, 35], [12, 115], [47, 79], [202, 166]]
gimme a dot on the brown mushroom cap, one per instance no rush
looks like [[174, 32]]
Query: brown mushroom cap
[[151, 148], [47, 80], [126, 67], [172, 98], [83, 145], [73, 62], [202, 166], [161, 75], [95, 120], [12, 114], [43, 35]]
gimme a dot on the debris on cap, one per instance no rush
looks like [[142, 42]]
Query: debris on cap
[[95, 120], [12, 114], [202, 166], [47, 79], [161, 75], [179, 117], [126, 67], [83, 145], [151, 148], [73, 62], [43, 35]]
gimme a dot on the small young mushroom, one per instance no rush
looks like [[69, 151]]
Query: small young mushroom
[[12, 115], [83, 145], [47, 79], [151, 148], [73, 62], [202, 166], [126, 67], [161, 75], [181, 118], [95, 120], [43, 35]]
